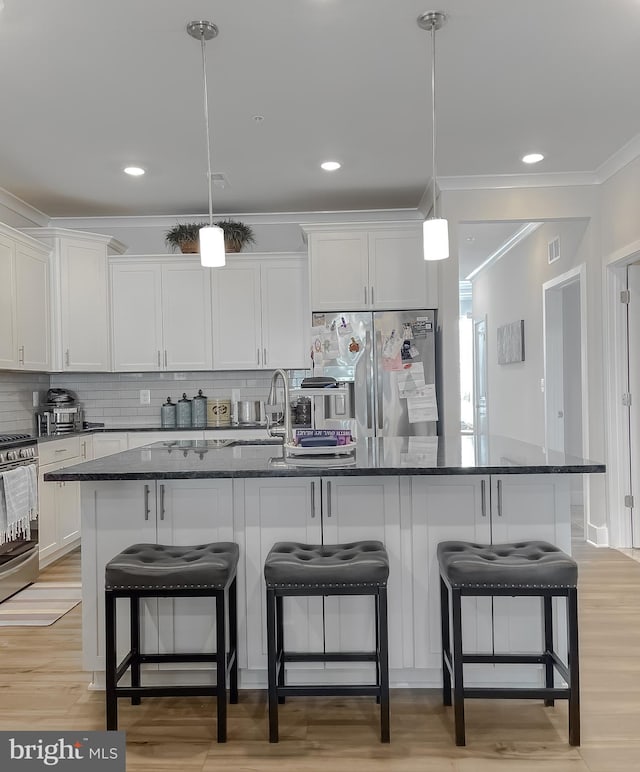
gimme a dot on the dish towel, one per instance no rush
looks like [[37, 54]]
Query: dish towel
[[18, 502]]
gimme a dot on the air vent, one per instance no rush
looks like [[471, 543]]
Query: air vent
[[219, 180], [553, 250]]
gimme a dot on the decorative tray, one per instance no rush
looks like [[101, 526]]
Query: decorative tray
[[330, 450]]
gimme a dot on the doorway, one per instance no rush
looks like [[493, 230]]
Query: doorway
[[564, 321]]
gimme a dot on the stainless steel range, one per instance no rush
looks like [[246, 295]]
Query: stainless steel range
[[19, 558]]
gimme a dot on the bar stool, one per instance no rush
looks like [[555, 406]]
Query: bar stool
[[359, 568], [524, 568], [158, 571]]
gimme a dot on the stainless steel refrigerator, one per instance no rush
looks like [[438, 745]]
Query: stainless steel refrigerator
[[385, 362]]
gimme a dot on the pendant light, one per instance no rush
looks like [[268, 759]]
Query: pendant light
[[212, 254], [435, 230]]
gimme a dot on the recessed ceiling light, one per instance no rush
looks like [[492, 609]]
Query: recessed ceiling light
[[258, 118], [134, 171], [471, 238], [330, 166], [532, 158]]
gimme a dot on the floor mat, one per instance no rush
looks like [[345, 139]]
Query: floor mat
[[39, 605]]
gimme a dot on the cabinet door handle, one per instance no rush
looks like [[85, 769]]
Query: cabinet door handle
[[162, 502], [365, 296], [264, 356], [165, 357], [21, 355], [258, 356], [146, 502], [159, 364], [84, 449], [483, 497], [313, 499], [372, 300], [328, 498], [499, 498], [66, 357]]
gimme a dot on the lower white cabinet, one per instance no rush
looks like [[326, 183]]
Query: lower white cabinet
[[109, 443], [58, 502]]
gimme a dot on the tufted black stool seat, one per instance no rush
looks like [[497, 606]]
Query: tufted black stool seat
[[156, 570], [357, 568], [516, 569]]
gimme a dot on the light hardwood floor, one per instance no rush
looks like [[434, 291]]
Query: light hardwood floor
[[43, 687]]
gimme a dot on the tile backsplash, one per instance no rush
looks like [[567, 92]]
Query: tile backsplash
[[114, 398], [16, 400]]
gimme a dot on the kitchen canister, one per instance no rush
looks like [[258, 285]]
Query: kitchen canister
[[199, 411], [183, 419], [168, 415], [218, 412]]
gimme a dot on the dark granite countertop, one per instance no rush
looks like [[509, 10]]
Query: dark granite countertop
[[198, 459]]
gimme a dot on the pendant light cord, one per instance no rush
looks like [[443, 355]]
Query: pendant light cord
[[206, 123], [433, 115]]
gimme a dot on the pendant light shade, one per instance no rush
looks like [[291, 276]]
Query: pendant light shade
[[435, 230], [435, 238], [212, 254]]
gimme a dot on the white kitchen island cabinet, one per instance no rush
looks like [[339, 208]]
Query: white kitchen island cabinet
[[369, 266], [252, 496]]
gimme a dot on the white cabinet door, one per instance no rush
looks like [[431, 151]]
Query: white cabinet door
[[68, 506], [526, 507], [397, 269], [84, 309], [47, 514], [123, 514], [191, 512], [58, 512], [446, 508], [32, 308], [285, 314], [108, 443], [136, 297], [186, 317], [339, 271], [237, 341], [8, 341], [357, 508], [280, 510]]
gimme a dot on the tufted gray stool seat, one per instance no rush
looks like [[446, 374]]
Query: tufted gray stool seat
[[157, 570], [295, 569], [526, 568]]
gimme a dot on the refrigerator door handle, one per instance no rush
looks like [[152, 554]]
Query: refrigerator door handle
[[369, 379], [378, 378]]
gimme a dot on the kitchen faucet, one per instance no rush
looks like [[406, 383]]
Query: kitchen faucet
[[272, 400]]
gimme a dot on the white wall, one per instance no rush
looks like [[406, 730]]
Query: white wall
[[620, 209]]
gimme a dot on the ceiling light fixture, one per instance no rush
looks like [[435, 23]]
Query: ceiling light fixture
[[212, 254], [532, 158], [134, 171], [330, 166], [435, 230]]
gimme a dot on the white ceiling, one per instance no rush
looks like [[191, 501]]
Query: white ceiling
[[89, 86]]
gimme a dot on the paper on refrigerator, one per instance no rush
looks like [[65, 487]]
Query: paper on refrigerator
[[422, 405], [410, 379]]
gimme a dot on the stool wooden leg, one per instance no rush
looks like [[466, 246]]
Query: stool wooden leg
[[574, 669], [134, 611], [221, 666], [110, 661], [377, 628], [458, 678], [280, 644], [233, 642], [271, 665], [548, 644], [383, 657], [446, 642]]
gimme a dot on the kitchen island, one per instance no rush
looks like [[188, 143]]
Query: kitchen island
[[410, 493]]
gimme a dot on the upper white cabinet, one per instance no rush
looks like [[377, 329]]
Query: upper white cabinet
[[79, 297], [369, 266], [261, 313], [160, 314], [24, 302]]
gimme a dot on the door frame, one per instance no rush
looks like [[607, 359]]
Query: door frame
[[551, 293], [615, 383], [484, 364]]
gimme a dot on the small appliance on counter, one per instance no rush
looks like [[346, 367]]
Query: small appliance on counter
[[62, 414], [249, 413]]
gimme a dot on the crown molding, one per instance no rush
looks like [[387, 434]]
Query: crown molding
[[22, 209], [501, 181], [621, 158], [54, 233]]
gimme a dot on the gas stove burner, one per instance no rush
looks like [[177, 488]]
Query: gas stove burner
[[14, 437]]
